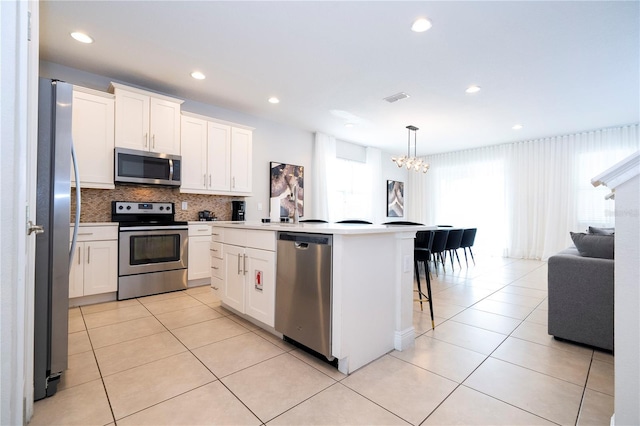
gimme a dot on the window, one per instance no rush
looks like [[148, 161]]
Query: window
[[351, 197]]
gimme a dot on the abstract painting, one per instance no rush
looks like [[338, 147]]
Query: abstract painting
[[284, 178], [395, 198]]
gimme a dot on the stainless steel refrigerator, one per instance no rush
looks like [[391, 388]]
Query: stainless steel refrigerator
[[53, 214]]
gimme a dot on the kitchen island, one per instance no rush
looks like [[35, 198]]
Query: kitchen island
[[372, 282]]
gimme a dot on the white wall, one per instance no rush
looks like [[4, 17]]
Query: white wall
[[627, 301]]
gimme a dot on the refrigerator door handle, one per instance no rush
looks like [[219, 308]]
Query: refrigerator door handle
[[34, 229], [76, 225]]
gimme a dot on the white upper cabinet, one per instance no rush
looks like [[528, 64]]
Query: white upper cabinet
[[93, 137], [220, 156], [195, 174], [146, 121], [241, 154], [216, 157]]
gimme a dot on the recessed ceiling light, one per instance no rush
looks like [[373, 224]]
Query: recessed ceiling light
[[517, 127], [349, 125], [274, 100], [81, 37], [198, 75], [473, 89], [421, 25]]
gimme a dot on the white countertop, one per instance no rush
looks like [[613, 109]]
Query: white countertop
[[322, 228]]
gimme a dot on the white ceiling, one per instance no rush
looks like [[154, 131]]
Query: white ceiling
[[554, 67]]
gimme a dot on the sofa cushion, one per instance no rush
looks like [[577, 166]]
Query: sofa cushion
[[601, 231], [594, 245]]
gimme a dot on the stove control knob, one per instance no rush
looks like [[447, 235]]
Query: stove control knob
[[128, 207], [120, 207], [161, 208]]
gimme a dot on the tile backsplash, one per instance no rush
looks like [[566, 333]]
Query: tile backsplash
[[96, 203]]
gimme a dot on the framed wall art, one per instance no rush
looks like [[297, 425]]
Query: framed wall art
[[284, 178], [395, 198]]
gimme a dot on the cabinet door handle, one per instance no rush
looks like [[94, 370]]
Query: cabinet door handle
[[204, 180], [89, 254], [209, 179], [215, 288], [215, 267], [245, 265], [153, 141], [146, 140], [78, 251], [239, 268], [214, 250], [233, 182]]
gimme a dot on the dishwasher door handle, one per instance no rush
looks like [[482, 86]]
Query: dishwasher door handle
[[302, 246]]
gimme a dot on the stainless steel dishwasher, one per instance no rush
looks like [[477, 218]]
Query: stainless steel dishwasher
[[303, 290]]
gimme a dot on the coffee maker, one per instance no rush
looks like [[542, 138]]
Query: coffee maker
[[237, 213]]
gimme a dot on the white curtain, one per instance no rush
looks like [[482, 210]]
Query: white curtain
[[378, 203], [324, 157], [523, 197]]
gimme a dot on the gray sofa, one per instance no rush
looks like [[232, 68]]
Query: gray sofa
[[581, 298]]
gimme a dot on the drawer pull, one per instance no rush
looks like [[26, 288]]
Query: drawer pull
[[215, 288], [215, 267], [85, 233]]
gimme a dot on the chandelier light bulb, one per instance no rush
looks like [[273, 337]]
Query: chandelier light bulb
[[413, 163]]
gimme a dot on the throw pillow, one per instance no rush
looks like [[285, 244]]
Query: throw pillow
[[594, 245], [601, 231]]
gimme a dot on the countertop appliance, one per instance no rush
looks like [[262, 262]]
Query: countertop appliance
[[147, 168], [304, 290], [153, 253], [206, 215], [52, 257], [238, 209]]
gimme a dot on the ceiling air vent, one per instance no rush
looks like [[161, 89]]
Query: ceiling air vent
[[391, 99]]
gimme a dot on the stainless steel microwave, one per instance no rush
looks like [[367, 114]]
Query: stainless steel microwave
[[146, 168]]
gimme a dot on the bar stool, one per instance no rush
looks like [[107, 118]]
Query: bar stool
[[437, 248], [453, 243], [313, 221], [363, 222], [422, 254], [468, 238]]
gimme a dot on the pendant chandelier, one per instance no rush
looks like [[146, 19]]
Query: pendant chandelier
[[412, 163]]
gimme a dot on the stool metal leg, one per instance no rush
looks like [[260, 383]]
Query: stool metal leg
[[426, 271], [415, 263]]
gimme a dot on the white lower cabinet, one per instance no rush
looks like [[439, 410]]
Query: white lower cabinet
[[95, 262], [248, 273], [199, 258], [217, 279]]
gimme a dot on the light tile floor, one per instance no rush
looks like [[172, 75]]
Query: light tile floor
[[179, 358]]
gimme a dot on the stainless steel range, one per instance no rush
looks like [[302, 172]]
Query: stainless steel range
[[153, 253]]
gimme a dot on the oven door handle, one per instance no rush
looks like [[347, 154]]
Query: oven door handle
[[154, 228]]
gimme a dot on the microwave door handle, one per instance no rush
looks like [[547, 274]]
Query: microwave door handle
[[170, 169]]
